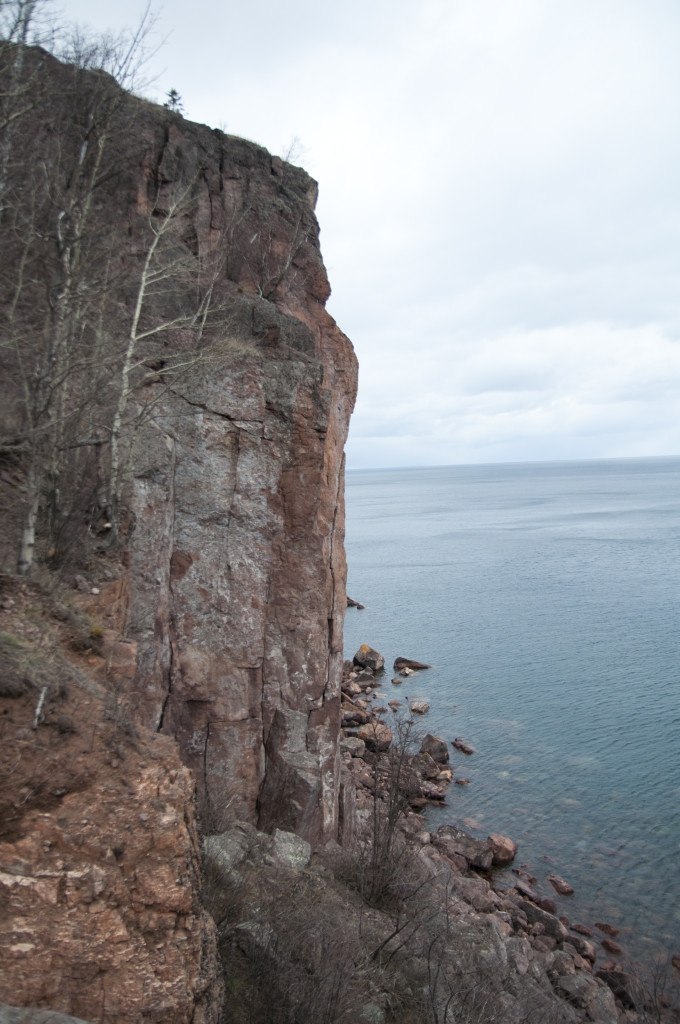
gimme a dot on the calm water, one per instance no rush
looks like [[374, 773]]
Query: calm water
[[545, 595]]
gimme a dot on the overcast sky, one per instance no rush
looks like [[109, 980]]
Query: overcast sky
[[499, 205]]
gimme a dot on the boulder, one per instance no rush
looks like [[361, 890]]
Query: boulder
[[463, 746], [419, 707], [291, 850], [551, 925], [504, 850], [436, 747], [351, 603], [397, 681], [560, 886], [454, 841], [352, 745], [376, 736], [367, 657], [583, 947], [624, 987], [425, 766], [354, 716], [524, 889], [432, 792], [415, 666], [612, 947]]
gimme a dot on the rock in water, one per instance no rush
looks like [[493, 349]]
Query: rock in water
[[415, 666], [419, 707], [463, 746], [367, 657], [560, 886], [436, 747]]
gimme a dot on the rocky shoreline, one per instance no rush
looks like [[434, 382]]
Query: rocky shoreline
[[584, 962]]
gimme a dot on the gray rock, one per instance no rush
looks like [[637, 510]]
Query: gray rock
[[454, 840], [352, 745], [436, 747], [291, 850], [26, 1015], [552, 926], [371, 1013], [367, 657]]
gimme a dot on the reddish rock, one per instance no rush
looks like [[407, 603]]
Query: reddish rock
[[560, 886], [607, 929], [583, 929], [675, 961], [99, 869], [612, 947], [235, 587], [504, 849], [463, 746], [415, 666], [548, 905]]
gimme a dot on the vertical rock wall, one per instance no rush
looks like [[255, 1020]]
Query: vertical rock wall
[[236, 558]]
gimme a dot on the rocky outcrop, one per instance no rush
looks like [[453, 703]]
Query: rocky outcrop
[[198, 498], [236, 582], [100, 911], [216, 431]]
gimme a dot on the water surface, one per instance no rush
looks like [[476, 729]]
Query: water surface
[[545, 595]]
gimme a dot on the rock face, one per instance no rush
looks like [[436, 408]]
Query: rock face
[[237, 567], [100, 916], [214, 604], [219, 437]]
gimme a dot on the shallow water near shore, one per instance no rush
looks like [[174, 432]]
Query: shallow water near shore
[[546, 598]]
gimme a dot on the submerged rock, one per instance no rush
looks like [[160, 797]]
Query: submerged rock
[[463, 746], [560, 886]]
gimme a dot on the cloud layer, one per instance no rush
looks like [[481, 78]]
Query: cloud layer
[[499, 207]]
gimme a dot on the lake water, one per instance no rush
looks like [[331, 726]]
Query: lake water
[[546, 598]]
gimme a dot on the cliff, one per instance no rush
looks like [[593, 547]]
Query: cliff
[[175, 405], [176, 402]]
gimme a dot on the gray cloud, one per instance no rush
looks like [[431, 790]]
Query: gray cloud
[[498, 205]]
